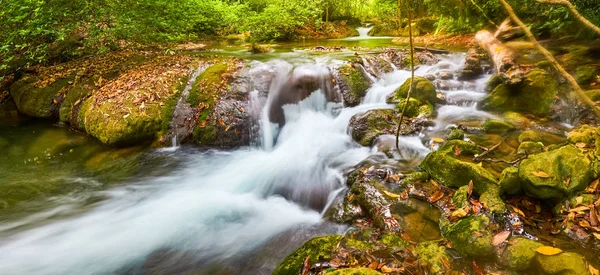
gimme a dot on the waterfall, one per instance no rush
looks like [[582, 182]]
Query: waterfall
[[363, 32]]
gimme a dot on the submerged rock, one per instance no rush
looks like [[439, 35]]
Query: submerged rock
[[535, 96], [557, 174], [495, 126], [543, 137], [530, 147]]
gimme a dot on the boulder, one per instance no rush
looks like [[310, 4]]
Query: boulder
[[495, 126], [539, 136], [456, 134], [566, 263], [535, 96], [423, 90], [520, 254], [320, 247], [432, 256], [353, 83], [557, 174], [510, 183], [586, 74], [365, 127], [530, 147], [470, 236], [38, 99]]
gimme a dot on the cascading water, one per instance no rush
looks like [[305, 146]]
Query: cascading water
[[363, 32], [219, 205]]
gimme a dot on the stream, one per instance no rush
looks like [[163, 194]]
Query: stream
[[73, 206]]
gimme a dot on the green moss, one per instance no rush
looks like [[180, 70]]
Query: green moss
[[38, 102], [207, 85], [423, 90], [470, 236], [493, 82], [456, 134], [412, 108], [510, 183], [530, 147], [586, 74], [461, 197], [566, 263], [543, 137], [415, 177], [321, 247], [536, 95], [584, 134], [393, 241], [491, 198], [593, 94], [495, 126], [568, 171], [75, 94], [205, 135], [516, 119], [366, 127], [357, 84], [432, 255], [444, 166], [519, 254], [354, 271]]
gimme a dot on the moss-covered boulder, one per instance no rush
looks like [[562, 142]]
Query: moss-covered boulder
[[556, 174], [510, 183], [566, 263], [516, 119], [456, 134], [423, 90], [520, 254], [586, 74], [461, 197], [530, 147], [355, 271], [317, 248], [495, 126], [540, 136], [454, 170], [39, 99], [492, 200], [535, 96], [71, 99], [353, 83], [432, 255], [365, 127], [470, 236]]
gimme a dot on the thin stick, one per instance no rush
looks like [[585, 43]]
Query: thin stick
[[551, 58], [412, 79], [484, 15], [579, 17]]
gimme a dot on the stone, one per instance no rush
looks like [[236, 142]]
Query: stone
[[365, 127], [432, 255], [470, 236], [353, 83], [586, 74], [566, 263], [520, 253], [543, 137], [510, 183], [456, 134], [423, 90], [530, 147], [495, 126], [320, 247]]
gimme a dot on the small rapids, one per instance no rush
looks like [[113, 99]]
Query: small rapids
[[222, 204]]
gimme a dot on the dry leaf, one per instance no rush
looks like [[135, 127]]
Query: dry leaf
[[386, 269], [541, 174], [351, 197], [126, 116], [581, 145], [460, 213], [470, 188], [391, 195], [500, 238], [580, 209], [584, 224], [593, 270], [596, 235], [438, 195], [593, 216], [548, 250], [445, 262], [457, 150], [437, 140]]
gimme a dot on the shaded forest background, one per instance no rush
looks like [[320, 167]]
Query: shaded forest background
[[42, 31]]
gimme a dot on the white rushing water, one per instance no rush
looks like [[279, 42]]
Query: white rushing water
[[220, 204], [363, 32]]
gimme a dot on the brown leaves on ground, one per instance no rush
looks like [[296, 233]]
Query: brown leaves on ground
[[500, 238]]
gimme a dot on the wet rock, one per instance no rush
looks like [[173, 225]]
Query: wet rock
[[423, 90], [365, 127], [492, 200], [473, 67], [446, 76], [426, 58], [355, 271], [38, 99], [317, 249], [586, 74], [536, 95], [557, 174], [415, 108], [470, 236], [8, 108], [587, 137], [540, 136], [432, 255], [530, 147], [456, 134], [461, 197], [494, 126], [353, 83], [520, 254], [260, 48], [585, 199], [566, 263]]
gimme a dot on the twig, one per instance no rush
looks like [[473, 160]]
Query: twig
[[487, 151], [412, 79], [579, 17], [504, 161], [551, 58]]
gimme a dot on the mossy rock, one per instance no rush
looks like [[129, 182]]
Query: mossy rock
[[566, 263], [587, 135], [470, 236], [491, 198], [391, 240], [495, 126], [8, 108], [445, 167], [586, 74], [75, 94], [433, 255], [320, 247], [516, 119], [122, 125], [536, 95], [423, 90], [510, 182], [456, 134], [412, 108], [557, 174], [35, 101], [543, 137], [461, 197], [355, 271], [585, 199], [354, 84], [530, 147], [365, 127], [519, 254], [593, 94]]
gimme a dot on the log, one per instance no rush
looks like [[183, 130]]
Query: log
[[506, 31], [504, 58]]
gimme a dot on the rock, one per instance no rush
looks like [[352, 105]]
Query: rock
[[456, 134], [557, 174], [446, 76], [566, 263], [260, 48], [510, 183], [412, 108], [516, 119], [530, 147], [593, 94], [585, 199], [365, 127], [586, 135], [37, 99], [445, 167], [432, 255], [494, 126], [543, 137], [8, 108], [536, 95], [473, 67], [470, 236], [426, 58], [461, 197], [320, 247], [353, 83], [491, 198], [423, 91], [586, 74], [355, 271], [519, 254]]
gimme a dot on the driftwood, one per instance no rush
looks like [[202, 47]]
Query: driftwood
[[503, 57], [506, 31], [551, 59]]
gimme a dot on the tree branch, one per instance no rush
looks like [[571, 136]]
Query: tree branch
[[579, 17]]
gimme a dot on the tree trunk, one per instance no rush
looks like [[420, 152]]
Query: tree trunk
[[506, 31], [503, 57]]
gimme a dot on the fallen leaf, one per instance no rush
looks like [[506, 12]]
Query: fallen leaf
[[386, 269], [580, 209], [351, 197], [227, 128], [460, 213], [596, 235], [391, 195], [500, 238], [581, 145], [126, 116], [457, 150], [518, 211], [593, 270], [438, 195], [437, 140], [593, 216], [584, 224], [541, 174], [470, 188], [306, 266], [548, 250]]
